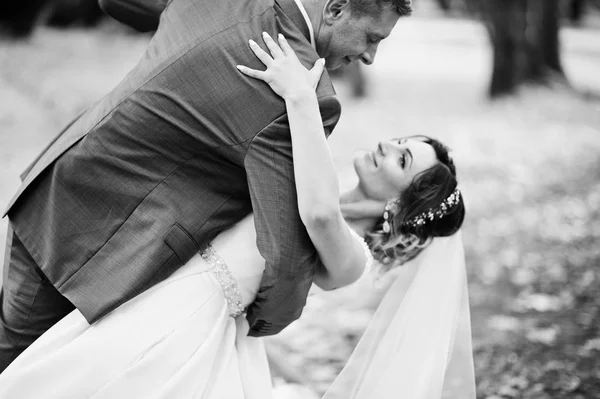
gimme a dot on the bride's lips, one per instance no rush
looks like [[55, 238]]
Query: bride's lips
[[372, 154]]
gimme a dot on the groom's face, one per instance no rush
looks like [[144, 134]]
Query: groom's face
[[347, 36]]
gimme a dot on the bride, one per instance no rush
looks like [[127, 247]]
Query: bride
[[187, 336]]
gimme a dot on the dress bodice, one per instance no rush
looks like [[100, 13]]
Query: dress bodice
[[234, 258]]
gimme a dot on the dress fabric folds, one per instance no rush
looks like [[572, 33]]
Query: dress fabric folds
[[186, 338], [175, 340]]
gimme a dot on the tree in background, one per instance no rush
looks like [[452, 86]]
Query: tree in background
[[444, 5], [18, 19], [67, 13], [525, 41], [525, 38], [576, 9]]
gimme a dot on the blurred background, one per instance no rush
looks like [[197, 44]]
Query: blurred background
[[512, 86]]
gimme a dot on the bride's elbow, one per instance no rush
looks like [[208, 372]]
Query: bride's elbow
[[320, 217], [329, 280]]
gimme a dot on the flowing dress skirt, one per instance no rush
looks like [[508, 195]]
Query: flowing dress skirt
[[175, 340]]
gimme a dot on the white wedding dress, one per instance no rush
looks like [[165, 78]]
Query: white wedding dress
[[185, 337], [175, 340]]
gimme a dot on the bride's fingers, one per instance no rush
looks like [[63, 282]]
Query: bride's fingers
[[253, 73], [285, 46], [260, 53], [273, 47]]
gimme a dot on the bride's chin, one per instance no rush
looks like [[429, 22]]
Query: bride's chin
[[363, 159], [357, 162], [359, 157], [359, 165]]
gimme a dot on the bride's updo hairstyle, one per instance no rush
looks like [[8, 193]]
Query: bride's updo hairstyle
[[429, 207]]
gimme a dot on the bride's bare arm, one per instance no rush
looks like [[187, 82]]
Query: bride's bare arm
[[316, 178]]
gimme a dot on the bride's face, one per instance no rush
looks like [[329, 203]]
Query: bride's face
[[385, 172]]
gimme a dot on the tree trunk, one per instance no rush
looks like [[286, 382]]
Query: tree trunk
[[576, 11], [550, 36], [19, 18], [506, 24], [444, 5], [65, 13], [525, 41]]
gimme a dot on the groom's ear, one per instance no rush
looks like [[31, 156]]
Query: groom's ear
[[335, 9]]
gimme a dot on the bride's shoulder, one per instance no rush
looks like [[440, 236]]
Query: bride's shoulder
[[368, 256]]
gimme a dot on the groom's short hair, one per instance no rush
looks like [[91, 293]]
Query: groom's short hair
[[374, 7]]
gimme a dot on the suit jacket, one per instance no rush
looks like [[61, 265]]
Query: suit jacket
[[184, 147], [141, 15]]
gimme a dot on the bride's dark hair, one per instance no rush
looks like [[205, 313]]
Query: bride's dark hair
[[426, 191]]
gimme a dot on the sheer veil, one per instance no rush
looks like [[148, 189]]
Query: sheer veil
[[418, 343]]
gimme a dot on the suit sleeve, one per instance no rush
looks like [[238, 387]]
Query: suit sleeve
[[141, 15], [282, 240]]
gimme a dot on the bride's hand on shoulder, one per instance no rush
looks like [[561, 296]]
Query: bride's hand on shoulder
[[284, 74]]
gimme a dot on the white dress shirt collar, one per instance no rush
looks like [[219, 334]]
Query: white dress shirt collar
[[307, 20]]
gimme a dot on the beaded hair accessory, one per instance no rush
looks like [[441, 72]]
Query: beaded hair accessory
[[436, 213], [421, 219]]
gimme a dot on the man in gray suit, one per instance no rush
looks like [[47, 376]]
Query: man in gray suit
[[184, 147]]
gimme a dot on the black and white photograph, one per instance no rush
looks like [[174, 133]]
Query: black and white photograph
[[300, 199]]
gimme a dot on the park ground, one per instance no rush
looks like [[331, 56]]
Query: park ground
[[529, 168]]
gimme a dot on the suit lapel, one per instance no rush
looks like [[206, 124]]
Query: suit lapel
[[291, 10]]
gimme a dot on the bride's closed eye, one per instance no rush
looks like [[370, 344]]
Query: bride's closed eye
[[402, 159]]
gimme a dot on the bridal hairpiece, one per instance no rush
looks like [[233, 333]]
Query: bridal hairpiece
[[437, 212], [432, 213]]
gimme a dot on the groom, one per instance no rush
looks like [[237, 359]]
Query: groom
[[184, 147]]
